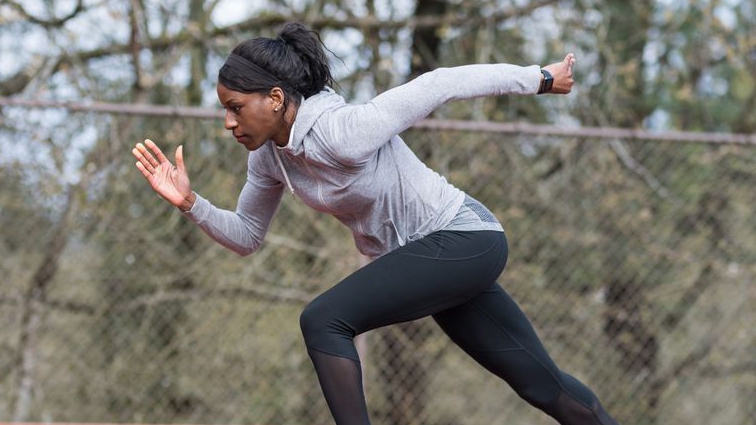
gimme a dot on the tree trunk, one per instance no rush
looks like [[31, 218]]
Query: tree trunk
[[32, 316]]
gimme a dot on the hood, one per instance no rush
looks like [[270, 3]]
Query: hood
[[308, 113]]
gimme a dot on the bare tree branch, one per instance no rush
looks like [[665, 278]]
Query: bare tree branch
[[372, 22], [693, 359], [635, 166], [191, 36], [21, 80], [15, 84], [47, 23]]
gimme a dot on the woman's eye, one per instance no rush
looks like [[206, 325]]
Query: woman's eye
[[236, 109]]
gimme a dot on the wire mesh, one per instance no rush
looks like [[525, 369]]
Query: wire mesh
[[634, 259]]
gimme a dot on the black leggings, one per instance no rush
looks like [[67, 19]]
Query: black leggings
[[452, 276]]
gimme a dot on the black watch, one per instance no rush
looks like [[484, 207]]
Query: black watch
[[546, 83]]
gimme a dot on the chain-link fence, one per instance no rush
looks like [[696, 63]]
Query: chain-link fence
[[635, 260]]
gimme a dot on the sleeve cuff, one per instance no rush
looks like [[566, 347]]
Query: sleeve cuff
[[535, 71], [199, 210]]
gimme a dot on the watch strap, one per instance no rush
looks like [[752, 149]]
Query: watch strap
[[546, 83]]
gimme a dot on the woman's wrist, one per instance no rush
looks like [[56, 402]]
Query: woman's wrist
[[188, 202], [547, 82]]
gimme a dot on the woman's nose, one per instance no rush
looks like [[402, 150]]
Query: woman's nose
[[230, 123]]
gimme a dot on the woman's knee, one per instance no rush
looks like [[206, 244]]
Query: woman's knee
[[320, 323], [310, 321]]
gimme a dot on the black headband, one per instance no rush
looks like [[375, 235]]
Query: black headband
[[238, 61], [252, 76]]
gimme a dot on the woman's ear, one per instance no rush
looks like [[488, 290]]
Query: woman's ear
[[277, 97]]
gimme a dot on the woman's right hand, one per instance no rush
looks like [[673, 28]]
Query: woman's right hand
[[169, 181], [562, 73]]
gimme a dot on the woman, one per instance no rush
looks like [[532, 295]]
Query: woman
[[436, 251]]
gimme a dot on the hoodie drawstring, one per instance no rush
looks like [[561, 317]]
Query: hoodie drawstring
[[283, 169]]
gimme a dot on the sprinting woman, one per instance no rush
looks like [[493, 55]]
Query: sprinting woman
[[436, 251]]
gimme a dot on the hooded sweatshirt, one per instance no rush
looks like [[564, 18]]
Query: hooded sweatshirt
[[349, 161]]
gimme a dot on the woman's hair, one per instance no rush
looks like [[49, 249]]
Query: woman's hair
[[295, 61]]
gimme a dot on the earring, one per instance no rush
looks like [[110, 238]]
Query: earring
[[276, 108]]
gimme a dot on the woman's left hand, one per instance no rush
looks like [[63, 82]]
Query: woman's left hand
[[562, 73]]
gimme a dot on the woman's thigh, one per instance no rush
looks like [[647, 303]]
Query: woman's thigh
[[435, 273]]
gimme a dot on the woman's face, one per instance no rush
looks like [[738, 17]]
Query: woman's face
[[254, 118]]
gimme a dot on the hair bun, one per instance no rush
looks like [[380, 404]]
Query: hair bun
[[306, 43], [294, 32], [295, 60]]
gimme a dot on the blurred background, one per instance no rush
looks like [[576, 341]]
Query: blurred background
[[633, 251]]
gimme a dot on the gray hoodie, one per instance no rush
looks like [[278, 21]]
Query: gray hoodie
[[348, 161]]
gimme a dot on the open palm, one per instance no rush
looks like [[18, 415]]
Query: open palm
[[169, 181]]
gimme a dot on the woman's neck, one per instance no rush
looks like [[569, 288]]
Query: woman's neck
[[287, 122]]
